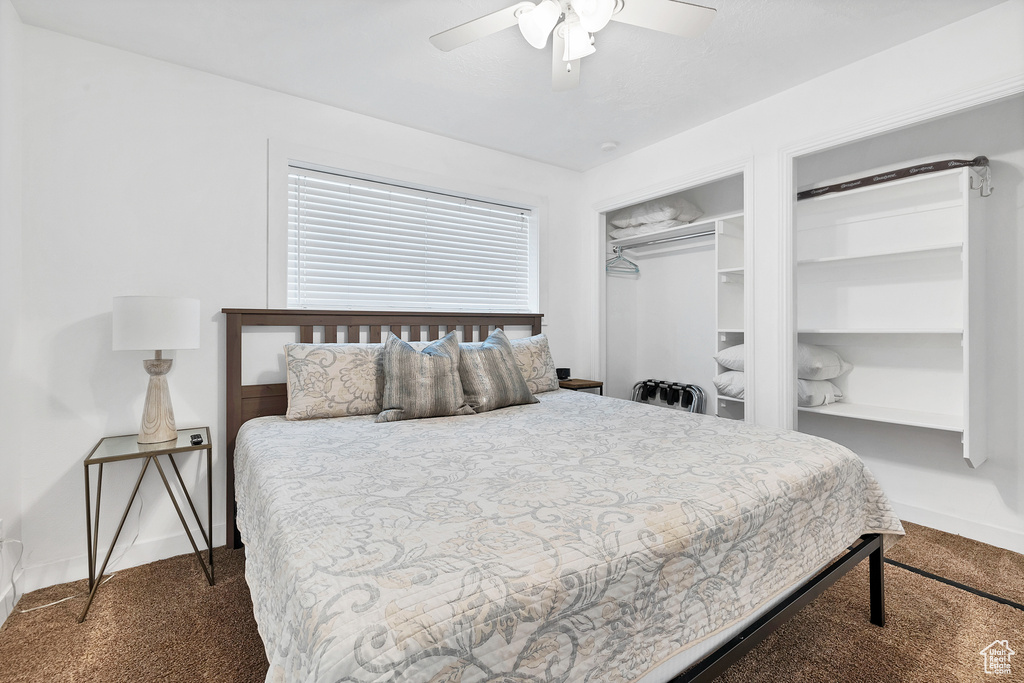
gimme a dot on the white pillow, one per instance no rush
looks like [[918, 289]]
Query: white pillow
[[731, 357], [654, 211], [730, 383], [812, 362], [819, 362], [810, 392], [688, 212]]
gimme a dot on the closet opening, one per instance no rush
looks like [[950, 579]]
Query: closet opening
[[675, 293], [904, 286]]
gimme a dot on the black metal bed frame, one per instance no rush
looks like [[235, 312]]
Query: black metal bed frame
[[725, 656]]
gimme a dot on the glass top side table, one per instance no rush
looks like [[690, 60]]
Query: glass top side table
[[118, 448]]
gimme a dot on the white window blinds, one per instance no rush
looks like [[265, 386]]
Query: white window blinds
[[360, 244]]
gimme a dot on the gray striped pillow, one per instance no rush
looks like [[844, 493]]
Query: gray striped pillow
[[490, 376], [422, 383]]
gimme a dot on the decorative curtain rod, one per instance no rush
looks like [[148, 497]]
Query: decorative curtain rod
[[899, 174]]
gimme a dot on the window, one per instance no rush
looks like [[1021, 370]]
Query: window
[[361, 244]]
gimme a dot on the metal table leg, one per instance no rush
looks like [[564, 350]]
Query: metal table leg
[[184, 524], [97, 578]]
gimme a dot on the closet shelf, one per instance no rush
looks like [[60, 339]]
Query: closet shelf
[[887, 330], [880, 255], [887, 276], [731, 277], [869, 215], [699, 225], [913, 418]]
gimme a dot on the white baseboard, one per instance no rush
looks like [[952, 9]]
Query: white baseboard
[[7, 596], [1010, 539], [141, 552]]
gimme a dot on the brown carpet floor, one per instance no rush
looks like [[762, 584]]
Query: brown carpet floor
[[158, 622], [960, 559], [162, 622]]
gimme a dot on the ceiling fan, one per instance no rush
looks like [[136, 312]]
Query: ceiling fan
[[572, 25]]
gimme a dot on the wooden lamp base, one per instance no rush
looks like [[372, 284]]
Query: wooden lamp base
[[157, 415]]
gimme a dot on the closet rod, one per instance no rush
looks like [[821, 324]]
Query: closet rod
[[668, 239]]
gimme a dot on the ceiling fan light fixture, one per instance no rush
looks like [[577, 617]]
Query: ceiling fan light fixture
[[536, 23], [594, 14], [578, 43]]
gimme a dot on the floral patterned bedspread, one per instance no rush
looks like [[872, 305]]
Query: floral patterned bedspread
[[577, 539]]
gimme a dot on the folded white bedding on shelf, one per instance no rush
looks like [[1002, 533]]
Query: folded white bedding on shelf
[[815, 367]]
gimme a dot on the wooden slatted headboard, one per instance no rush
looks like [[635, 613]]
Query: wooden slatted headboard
[[245, 402]]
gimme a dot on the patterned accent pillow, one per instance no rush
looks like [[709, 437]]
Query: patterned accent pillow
[[422, 383], [333, 380], [490, 375], [533, 356]]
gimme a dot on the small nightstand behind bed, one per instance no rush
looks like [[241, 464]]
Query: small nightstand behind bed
[[577, 384]]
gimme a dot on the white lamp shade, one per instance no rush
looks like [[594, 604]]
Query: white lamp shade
[[153, 323], [594, 14], [577, 40], [536, 23]]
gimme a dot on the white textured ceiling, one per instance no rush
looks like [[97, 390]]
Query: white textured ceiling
[[373, 57]]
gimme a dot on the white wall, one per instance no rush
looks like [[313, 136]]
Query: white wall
[[912, 81], [140, 177], [675, 315], [661, 321], [143, 177], [10, 295]]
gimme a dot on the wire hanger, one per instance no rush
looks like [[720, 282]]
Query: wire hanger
[[620, 264]]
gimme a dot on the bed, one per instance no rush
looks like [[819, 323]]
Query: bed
[[575, 539]]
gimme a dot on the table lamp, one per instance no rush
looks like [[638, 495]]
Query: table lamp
[[143, 323]]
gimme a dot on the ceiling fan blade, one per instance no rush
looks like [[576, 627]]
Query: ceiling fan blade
[[478, 28], [562, 78], [668, 16]]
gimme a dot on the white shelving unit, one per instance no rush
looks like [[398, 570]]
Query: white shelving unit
[[729, 306], [663, 321], [888, 276]]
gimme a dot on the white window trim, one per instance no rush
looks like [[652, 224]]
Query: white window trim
[[281, 154]]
